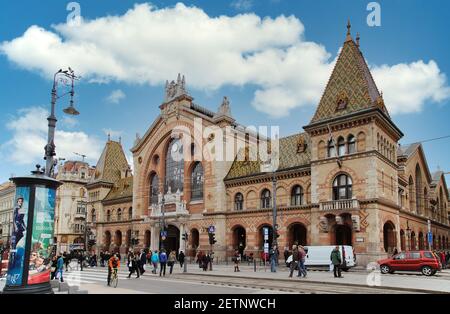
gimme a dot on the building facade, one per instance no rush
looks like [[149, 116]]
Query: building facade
[[7, 195], [344, 180], [70, 212]]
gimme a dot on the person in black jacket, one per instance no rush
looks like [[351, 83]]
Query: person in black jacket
[[143, 261], [181, 258]]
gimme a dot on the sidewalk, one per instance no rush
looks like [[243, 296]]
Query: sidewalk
[[439, 283]]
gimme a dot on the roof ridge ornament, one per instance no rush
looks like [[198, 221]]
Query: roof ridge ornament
[[175, 89], [349, 36], [357, 39]]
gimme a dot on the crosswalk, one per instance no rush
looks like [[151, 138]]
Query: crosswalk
[[90, 276]]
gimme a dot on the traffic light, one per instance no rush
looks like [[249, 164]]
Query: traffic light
[[212, 238], [185, 236], [277, 235]]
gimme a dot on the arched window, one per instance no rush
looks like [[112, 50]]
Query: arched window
[[174, 166], [351, 144], [119, 214], [154, 189], [419, 196], [412, 204], [239, 201], [108, 216], [265, 199], [297, 195], [197, 182], [130, 213], [342, 187], [341, 146], [93, 215], [331, 149]]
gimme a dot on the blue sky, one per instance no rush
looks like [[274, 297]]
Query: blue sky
[[410, 32]]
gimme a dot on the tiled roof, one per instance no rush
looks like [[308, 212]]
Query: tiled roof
[[351, 81], [407, 150], [111, 163], [122, 188], [289, 158]]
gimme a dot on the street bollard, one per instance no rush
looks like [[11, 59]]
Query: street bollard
[[254, 265]]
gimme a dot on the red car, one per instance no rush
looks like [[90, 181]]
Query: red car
[[423, 261]]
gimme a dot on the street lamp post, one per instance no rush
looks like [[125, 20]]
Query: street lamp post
[[274, 217], [163, 223], [408, 234], [59, 76]]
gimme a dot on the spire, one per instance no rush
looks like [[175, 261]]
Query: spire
[[109, 137], [357, 39], [349, 26]]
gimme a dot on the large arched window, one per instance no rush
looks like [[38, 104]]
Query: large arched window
[[197, 182], [331, 149], [265, 199], [341, 146], [154, 189], [239, 201], [342, 187], [174, 166], [297, 195], [93, 215], [351, 144]]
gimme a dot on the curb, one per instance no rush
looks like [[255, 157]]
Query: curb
[[327, 283]]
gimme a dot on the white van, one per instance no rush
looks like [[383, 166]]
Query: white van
[[320, 255]]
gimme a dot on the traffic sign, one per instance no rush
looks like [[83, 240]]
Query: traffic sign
[[211, 229], [163, 234], [430, 237], [266, 247]]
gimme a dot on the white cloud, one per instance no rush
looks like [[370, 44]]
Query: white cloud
[[269, 53], [29, 137], [407, 87], [69, 122], [116, 96], [242, 5]]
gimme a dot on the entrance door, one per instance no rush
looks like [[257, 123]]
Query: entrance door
[[343, 235], [172, 242]]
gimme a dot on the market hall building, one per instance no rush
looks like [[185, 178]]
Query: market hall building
[[344, 180]]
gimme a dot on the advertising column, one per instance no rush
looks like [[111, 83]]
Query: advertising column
[[32, 236]]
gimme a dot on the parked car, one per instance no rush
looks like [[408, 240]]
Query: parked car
[[424, 261], [320, 256]]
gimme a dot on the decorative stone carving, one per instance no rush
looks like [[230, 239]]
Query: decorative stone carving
[[323, 224], [339, 220], [174, 90], [356, 222], [301, 145]]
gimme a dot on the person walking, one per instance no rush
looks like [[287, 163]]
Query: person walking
[[205, 261], [336, 260], [60, 268], [54, 267], [294, 262], [132, 264], [143, 261], [301, 262], [162, 263], [273, 259], [181, 258], [237, 260], [286, 254], [155, 261], [171, 261]]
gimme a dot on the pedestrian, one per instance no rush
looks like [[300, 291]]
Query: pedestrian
[[336, 260], [60, 268], [205, 261], [113, 263], [149, 257], [294, 262], [132, 264], [54, 267], [273, 259], [442, 256], [199, 259], [155, 261], [143, 261], [301, 262], [171, 261], [286, 254], [162, 263], [181, 258], [236, 260]]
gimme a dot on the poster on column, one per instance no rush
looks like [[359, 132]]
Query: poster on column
[[42, 236], [19, 236]]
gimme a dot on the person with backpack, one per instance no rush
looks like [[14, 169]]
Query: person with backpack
[[301, 262], [155, 261], [171, 261], [162, 263], [294, 262], [336, 260]]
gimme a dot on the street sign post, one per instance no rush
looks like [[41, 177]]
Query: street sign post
[[211, 229], [430, 239]]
